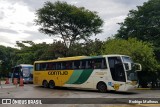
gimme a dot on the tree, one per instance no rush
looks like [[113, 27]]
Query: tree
[[144, 24], [69, 22], [7, 56], [30, 52], [88, 48], [141, 52], [58, 49], [92, 47]]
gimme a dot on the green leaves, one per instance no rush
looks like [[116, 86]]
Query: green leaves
[[71, 22], [141, 52], [7, 56], [143, 24]]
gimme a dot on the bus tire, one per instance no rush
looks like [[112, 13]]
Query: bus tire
[[102, 87], [45, 84], [51, 84]]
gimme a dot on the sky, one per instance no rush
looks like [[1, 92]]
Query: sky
[[17, 18]]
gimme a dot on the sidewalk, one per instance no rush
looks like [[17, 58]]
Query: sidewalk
[[10, 85]]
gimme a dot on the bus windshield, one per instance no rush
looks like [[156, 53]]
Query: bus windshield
[[127, 59], [27, 71], [131, 74]]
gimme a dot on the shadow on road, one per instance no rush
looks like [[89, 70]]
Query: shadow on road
[[84, 90], [124, 93]]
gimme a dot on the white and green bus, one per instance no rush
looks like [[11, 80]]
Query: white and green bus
[[105, 72]]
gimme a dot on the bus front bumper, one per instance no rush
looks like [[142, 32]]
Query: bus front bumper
[[130, 87]]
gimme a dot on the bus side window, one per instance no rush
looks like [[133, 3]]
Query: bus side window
[[63, 65], [76, 65], [83, 64], [53, 66], [49, 66], [15, 73], [37, 68], [104, 65], [96, 63], [43, 66], [69, 65], [93, 64], [58, 66], [99, 63], [89, 64], [21, 71]]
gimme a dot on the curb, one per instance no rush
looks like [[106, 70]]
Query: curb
[[143, 88], [147, 88]]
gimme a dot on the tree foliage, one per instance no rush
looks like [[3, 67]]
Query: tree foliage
[[88, 48], [143, 23], [141, 52], [69, 22], [30, 52], [7, 56]]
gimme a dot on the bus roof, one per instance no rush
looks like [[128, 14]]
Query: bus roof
[[78, 58], [24, 65]]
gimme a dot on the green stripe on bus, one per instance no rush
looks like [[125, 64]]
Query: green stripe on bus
[[74, 77], [84, 76]]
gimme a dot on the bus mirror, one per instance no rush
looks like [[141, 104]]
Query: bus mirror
[[138, 67], [127, 66]]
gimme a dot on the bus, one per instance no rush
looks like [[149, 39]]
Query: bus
[[103, 73], [24, 71]]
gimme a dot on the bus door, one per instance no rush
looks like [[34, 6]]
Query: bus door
[[117, 73]]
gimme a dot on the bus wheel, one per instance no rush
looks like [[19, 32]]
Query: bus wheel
[[45, 84], [102, 87], [51, 84]]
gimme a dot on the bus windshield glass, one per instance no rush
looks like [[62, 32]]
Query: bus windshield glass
[[27, 71], [131, 74], [127, 59]]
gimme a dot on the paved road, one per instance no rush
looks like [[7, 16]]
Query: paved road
[[32, 91]]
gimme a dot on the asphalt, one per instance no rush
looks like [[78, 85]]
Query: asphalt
[[28, 90]]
